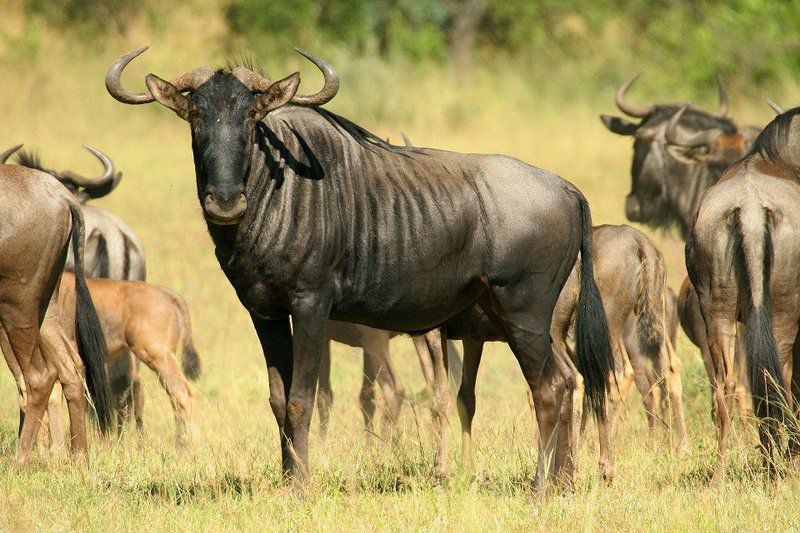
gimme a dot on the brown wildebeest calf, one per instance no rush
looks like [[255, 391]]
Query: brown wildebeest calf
[[153, 323], [39, 221], [630, 273], [742, 256]]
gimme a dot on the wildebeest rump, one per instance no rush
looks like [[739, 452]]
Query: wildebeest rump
[[112, 250], [39, 222], [742, 257], [312, 216]]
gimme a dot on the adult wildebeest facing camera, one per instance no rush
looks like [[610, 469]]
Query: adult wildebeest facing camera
[[312, 216]]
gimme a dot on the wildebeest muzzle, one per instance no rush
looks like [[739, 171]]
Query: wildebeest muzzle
[[225, 212], [633, 209]]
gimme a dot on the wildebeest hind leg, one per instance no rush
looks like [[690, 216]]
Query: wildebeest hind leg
[[22, 328], [722, 340], [528, 333], [61, 355], [389, 381]]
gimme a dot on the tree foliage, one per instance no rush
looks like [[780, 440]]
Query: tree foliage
[[755, 41]]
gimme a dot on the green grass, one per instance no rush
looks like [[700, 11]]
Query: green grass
[[231, 478]]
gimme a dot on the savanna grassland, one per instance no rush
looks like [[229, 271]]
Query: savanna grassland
[[230, 479]]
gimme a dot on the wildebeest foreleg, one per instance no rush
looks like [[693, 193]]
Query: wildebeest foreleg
[[473, 350], [276, 341], [309, 321]]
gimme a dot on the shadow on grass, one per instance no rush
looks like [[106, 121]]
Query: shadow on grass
[[184, 492], [748, 470]]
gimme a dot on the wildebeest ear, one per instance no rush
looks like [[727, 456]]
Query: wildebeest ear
[[618, 125], [168, 95], [279, 93]]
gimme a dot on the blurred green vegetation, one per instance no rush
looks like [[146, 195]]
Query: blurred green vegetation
[[578, 44]]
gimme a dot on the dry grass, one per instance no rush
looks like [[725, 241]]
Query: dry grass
[[231, 479]]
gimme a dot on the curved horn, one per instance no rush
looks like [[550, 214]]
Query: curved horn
[[722, 110], [624, 106], [258, 83], [329, 89], [8, 153], [186, 82], [677, 137], [100, 185], [774, 105]]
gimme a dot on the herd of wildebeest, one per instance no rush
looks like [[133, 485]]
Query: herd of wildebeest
[[327, 232]]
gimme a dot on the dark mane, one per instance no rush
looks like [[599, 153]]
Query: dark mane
[[31, 160], [772, 139], [692, 118], [362, 136]]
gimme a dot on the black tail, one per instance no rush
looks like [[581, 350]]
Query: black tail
[[592, 340], [649, 311], [766, 378], [91, 343]]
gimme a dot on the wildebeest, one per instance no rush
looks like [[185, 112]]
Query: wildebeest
[[112, 250], [313, 216], [153, 323], [40, 220], [742, 256], [674, 163], [630, 273]]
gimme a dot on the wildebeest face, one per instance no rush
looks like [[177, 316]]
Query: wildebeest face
[[669, 151], [222, 108], [671, 145], [222, 114]]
